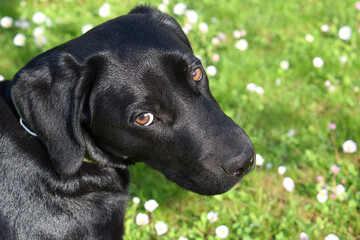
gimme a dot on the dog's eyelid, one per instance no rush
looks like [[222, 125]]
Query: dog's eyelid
[[196, 62]]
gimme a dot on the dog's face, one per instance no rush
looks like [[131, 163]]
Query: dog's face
[[136, 93]]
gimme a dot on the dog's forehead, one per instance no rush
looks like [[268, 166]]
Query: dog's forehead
[[136, 32]]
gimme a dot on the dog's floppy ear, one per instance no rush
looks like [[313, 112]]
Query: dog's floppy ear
[[49, 94]]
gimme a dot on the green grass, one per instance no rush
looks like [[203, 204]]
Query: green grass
[[258, 207]]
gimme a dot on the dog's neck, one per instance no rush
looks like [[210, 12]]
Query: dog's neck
[[87, 160]]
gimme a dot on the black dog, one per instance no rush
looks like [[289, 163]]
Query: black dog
[[129, 90]]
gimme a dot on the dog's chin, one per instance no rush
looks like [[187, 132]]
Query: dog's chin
[[205, 185], [208, 191]]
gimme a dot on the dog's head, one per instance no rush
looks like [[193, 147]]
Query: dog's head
[[132, 90]]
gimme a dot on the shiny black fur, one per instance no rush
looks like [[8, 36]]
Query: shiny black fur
[[82, 99]]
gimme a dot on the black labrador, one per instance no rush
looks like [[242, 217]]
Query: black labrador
[[129, 90]]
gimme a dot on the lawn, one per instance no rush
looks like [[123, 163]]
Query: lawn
[[288, 72]]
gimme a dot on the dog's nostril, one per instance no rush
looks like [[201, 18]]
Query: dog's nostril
[[240, 165], [239, 172]]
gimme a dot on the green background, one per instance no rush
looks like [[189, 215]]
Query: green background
[[258, 207]]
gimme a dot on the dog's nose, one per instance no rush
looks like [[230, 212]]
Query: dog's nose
[[241, 164]]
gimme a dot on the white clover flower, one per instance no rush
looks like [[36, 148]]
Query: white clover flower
[[327, 83], [24, 24], [161, 228], [180, 8], [309, 38], [288, 184], [318, 62], [304, 236], [243, 32], [259, 160], [285, 64], [86, 28], [322, 196], [2, 78], [39, 18], [343, 59], [182, 238], [136, 200], [325, 28], [142, 219], [242, 45], [340, 189], [278, 81], [251, 87], [215, 58], [19, 40], [345, 33], [187, 28], [331, 237], [48, 22], [40, 41], [6, 22], [281, 170], [268, 165], [211, 70], [151, 205], [291, 133], [212, 216], [222, 36], [331, 88], [162, 7], [335, 169], [203, 28], [356, 89], [166, 2], [349, 146], [332, 126], [215, 41], [38, 31], [17, 23], [222, 231], [237, 34], [104, 10], [259, 90], [191, 15]]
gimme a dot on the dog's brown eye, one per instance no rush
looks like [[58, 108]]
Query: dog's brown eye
[[145, 119], [197, 74]]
